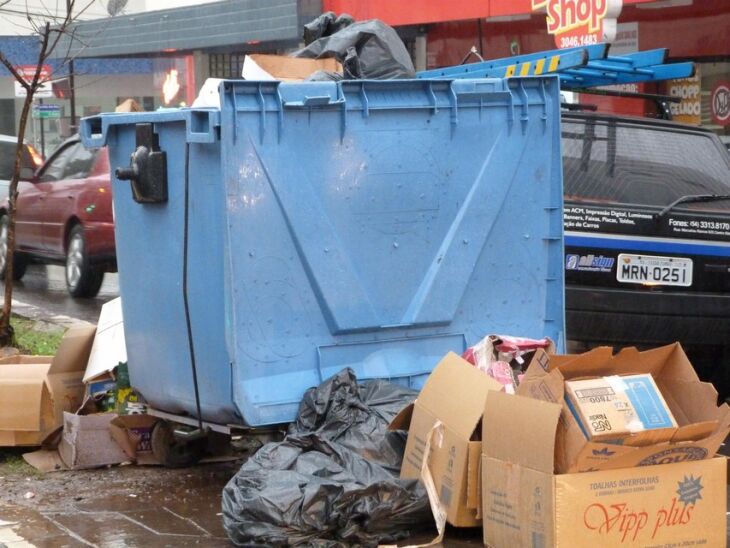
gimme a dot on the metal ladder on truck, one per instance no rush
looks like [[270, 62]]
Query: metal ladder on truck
[[583, 69]]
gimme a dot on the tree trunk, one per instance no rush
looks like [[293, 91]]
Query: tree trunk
[[7, 336]]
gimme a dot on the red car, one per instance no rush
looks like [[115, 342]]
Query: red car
[[65, 216]]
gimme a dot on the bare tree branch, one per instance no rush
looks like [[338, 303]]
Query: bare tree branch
[[8, 65]]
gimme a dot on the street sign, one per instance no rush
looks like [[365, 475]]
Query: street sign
[[44, 91], [27, 72], [46, 112]]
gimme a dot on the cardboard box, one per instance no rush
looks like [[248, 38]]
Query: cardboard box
[[36, 390], [702, 426], [87, 442], [261, 67], [526, 504], [90, 441], [447, 413], [613, 408], [133, 433]]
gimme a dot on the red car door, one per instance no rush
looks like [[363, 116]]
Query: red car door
[[31, 201], [62, 198]]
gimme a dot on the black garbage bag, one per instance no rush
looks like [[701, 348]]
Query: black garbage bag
[[357, 416], [367, 49], [326, 24], [334, 480]]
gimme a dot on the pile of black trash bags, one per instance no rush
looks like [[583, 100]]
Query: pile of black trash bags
[[367, 49], [333, 481]]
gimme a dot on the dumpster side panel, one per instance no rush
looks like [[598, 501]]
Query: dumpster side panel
[[378, 225], [150, 256]]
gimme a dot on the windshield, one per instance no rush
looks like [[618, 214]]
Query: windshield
[[611, 161]]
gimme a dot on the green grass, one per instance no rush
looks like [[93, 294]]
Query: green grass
[[36, 338], [12, 463]]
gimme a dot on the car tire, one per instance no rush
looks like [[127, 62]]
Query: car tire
[[82, 279], [19, 262]]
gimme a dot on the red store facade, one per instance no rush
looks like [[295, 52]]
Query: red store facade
[[441, 33]]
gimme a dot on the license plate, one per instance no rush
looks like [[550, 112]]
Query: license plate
[[653, 270]]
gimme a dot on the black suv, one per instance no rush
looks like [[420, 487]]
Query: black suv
[[647, 236]]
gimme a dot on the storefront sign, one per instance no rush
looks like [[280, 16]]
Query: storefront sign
[[580, 22], [689, 110], [720, 103]]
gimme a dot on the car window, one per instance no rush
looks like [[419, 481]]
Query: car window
[[54, 169], [79, 163], [7, 159], [615, 162]]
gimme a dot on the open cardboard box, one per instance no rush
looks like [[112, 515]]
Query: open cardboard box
[[524, 503], [447, 413], [36, 390], [262, 67], [702, 425]]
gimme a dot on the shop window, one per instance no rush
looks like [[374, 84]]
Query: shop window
[[226, 65]]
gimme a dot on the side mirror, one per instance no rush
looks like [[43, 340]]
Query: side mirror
[[26, 173]]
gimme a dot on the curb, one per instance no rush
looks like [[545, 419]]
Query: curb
[[32, 312]]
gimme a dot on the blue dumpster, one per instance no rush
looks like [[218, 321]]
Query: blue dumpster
[[306, 227]]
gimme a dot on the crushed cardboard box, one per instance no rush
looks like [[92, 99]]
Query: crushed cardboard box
[[702, 425], [87, 442], [262, 67], [35, 391], [99, 439], [524, 503], [447, 414]]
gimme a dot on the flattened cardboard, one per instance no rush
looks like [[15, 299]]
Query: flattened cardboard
[[454, 395], [702, 425], [680, 504], [36, 390], [45, 460], [288, 69]]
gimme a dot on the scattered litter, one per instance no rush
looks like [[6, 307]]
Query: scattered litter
[[505, 358], [334, 478], [29, 495], [132, 495]]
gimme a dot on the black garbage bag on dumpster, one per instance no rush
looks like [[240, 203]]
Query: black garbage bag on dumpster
[[367, 49], [334, 480], [326, 24]]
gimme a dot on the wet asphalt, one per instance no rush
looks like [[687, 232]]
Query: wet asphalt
[[42, 294]]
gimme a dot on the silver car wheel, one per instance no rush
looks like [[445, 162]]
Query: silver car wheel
[[74, 260]]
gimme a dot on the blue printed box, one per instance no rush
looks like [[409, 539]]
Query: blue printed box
[[614, 408]]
